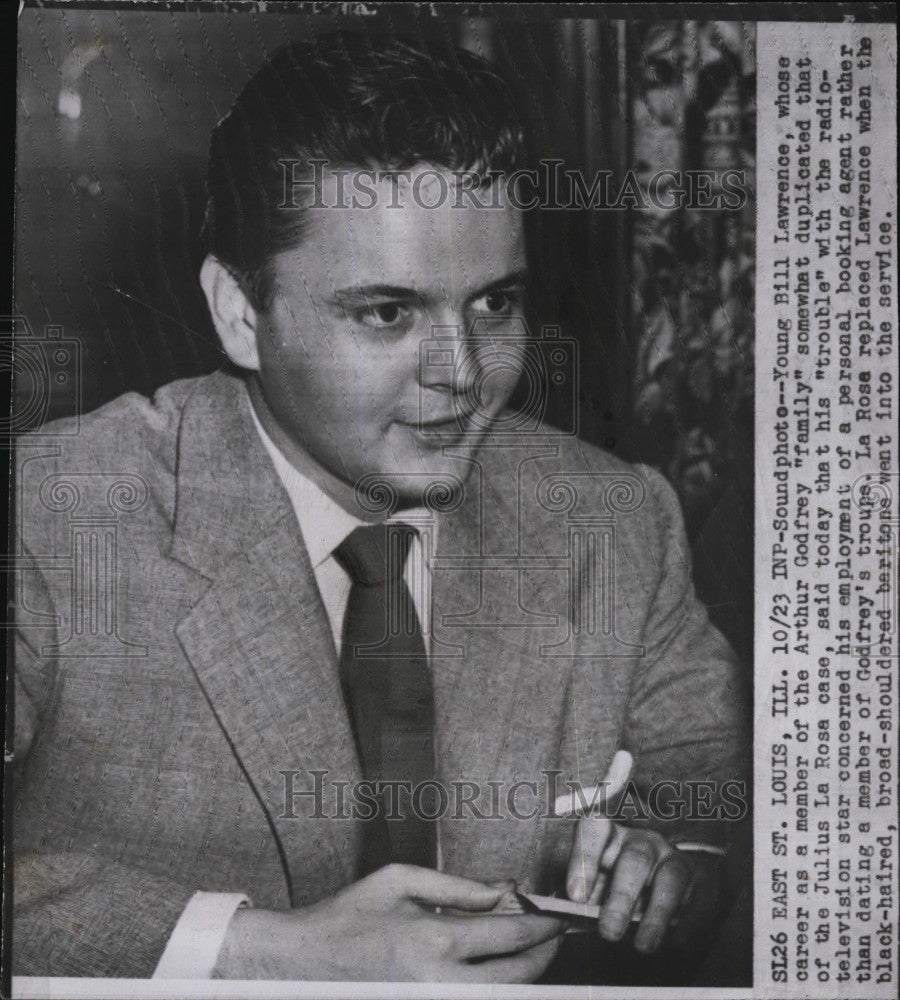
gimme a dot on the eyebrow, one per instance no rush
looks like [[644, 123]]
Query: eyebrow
[[375, 292], [515, 278], [365, 292]]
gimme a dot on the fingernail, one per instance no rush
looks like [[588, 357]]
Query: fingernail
[[575, 889], [647, 944], [612, 930]]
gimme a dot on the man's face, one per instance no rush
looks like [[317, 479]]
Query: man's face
[[339, 348]]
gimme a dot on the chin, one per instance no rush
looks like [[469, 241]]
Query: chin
[[434, 481]]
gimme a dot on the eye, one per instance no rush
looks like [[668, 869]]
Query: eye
[[388, 313], [383, 315], [497, 303]]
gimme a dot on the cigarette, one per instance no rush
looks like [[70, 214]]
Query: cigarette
[[594, 799]]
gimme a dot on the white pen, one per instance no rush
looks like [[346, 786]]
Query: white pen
[[591, 800]]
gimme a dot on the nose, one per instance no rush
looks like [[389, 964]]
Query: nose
[[448, 360]]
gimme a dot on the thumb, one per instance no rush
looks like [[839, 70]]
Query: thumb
[[588, 845], [423, 885]]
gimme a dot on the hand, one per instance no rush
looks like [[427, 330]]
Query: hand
[[385, 928], [630, 862]]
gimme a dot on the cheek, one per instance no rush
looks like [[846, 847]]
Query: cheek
[[380, 374], [294, 366], [286, 374], [499, 373]]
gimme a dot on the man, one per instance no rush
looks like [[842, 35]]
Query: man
[[191, 705]]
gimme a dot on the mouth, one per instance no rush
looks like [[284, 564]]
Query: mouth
[[441, 430]]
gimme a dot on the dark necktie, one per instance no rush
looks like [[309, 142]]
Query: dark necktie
[[387, 687]]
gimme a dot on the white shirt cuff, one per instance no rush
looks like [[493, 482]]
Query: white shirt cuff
[[196, 940]]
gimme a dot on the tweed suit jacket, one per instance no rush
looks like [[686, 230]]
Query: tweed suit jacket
[[176, 675]]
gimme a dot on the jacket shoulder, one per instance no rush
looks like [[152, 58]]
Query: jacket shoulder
[[124, 452], [582, 455], [634, 492], [138, 429], [129, 413], [572, 477]]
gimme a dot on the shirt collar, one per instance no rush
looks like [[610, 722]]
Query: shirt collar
[[323, 523]]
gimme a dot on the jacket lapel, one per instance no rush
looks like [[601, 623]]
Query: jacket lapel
[[258, 638]]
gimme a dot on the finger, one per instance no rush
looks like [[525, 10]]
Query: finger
[[698, 909], [608, 861], [592, 833], [508, 902], [479, 937], [631, 874], [670, 883], [522, 968], [432, 888], [599, 886]]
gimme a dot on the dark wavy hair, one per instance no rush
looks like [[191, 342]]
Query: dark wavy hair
[[353, 99]]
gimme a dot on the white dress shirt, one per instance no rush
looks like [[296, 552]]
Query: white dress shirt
[[193, 947], [324, 524]]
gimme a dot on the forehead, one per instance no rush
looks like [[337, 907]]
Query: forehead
[[417, 229]]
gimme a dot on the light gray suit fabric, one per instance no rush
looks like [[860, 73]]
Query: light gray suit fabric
[[147, 776]]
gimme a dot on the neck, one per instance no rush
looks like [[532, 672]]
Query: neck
[[338, 489]]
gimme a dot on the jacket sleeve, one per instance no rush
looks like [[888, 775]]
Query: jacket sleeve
[[75, 913], [687, 716]]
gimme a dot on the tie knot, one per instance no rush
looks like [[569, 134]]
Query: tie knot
[[375, 554]]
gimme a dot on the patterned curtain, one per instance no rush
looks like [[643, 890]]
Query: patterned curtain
[[693, 271]]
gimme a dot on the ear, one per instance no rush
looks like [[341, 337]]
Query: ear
[[233, 316]]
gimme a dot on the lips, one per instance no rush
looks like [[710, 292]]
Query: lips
[[440, 430], [442, 424]]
